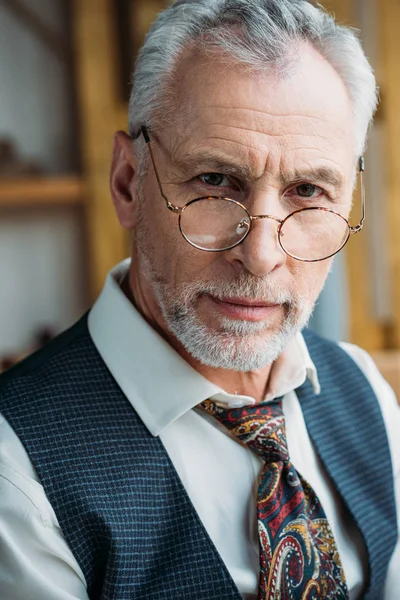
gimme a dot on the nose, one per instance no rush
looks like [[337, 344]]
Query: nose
[[260, 252]]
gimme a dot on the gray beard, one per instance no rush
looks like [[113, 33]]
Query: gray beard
[[238, 345]]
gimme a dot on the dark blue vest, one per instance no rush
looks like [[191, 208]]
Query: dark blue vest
[[118, 499]]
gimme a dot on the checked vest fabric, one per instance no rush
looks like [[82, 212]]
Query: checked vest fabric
[[119, 501], [298, 554]]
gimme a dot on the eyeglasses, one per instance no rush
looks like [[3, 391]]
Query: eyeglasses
[[217, 223]]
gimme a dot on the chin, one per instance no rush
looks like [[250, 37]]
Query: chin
[[236, 345], [219, 339]]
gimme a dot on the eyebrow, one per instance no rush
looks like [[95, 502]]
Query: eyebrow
[[201, 161], [332, 177]]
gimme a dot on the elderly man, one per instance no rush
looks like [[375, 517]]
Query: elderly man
[[185, 439]]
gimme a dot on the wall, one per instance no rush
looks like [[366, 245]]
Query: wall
[[332, 316], [41, 252]]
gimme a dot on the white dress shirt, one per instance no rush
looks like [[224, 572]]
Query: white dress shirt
[[219, 474]]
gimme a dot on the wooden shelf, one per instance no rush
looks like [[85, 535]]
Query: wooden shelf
[[41, 192]]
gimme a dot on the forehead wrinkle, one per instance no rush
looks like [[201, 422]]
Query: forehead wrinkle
[[272, 134], [265, 113], [277, 128]]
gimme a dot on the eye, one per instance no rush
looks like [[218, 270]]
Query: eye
[[215, 179], [307, 190]]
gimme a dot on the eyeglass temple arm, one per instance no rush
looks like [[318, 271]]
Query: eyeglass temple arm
[[143, 131], [361, 170]]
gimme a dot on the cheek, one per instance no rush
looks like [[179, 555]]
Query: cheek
[[175, 261], [157, 229], [309, 278]]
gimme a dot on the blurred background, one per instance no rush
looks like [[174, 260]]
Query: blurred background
[[65, 71]]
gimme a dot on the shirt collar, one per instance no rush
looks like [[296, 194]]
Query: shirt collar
[[157, 381]]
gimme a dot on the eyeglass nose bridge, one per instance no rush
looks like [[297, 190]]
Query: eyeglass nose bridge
[[259, 217], [246, 224]]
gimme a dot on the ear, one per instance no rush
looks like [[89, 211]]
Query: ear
[[124, 179]]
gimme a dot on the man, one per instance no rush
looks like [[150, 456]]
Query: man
[[185, 440]]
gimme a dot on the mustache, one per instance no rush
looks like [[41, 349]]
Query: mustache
[[246, 287]]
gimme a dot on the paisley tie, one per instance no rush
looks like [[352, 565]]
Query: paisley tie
[[298, 555]]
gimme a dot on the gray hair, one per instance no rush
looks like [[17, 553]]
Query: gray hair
[[258, 34]]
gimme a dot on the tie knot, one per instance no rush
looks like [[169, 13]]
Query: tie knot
[[260, 427]]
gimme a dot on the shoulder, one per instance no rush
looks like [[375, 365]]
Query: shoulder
[[33, 549], [354, 373], [52, 360], [322, 352], [20, 488], [341, 363], [385, 395], [363, 360]]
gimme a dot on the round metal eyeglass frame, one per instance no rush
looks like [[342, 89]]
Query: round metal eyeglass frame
[[179, 210]]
